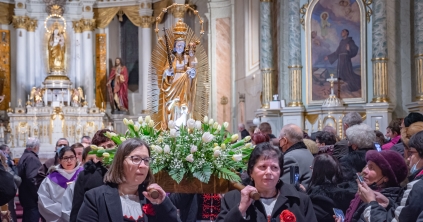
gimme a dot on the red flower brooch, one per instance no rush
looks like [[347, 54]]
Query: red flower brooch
[[287, 216], [148, 209]]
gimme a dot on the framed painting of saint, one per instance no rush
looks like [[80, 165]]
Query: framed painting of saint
[[335, 35]]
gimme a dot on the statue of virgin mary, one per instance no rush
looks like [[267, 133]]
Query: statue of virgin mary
[[56, 49]]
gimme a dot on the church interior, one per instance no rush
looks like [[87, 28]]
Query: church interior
[[70, 68]]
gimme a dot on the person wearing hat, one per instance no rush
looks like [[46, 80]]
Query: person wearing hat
[[408, 208], [383, 173]]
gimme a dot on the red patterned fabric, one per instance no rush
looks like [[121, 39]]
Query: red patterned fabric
[[211, 206]]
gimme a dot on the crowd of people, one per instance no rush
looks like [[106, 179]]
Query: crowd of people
[[318, 177]]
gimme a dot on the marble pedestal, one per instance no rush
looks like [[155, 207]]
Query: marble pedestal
[[415, 107], [294, 115], [271, 116], [378, 115]]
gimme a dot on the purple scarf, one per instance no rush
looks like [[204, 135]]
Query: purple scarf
[[352, 208], [60, 180]]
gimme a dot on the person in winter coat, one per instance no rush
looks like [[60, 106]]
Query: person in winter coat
[[53, 187], [324, 192], [295, 153], [409, 208], [341, 148], [326, 141], [360, 138], [124, 197], [383, 173], [93, 174], [28, 167], [393, 132], [265, 169]]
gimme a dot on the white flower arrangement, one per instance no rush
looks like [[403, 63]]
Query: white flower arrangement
[[199, 149]]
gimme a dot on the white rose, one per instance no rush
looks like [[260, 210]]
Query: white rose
[[106, 155], [211, 121], [237, 157], [223, 146], [215, 125], [166, 149], [225, 125], [206, 119], [216, 148], [191, 124], [125, 121], [193, 149], [172, 133], [122, 139], [198, 125], [207, 137], [190, 158], [234, 137], [147, 119], [113, 134], [131, 122], [151, 123], [140, 120], [100, 148], [171, 124], [108, 135], [94, 147], [217, 153], [248, 145], [160, 139]]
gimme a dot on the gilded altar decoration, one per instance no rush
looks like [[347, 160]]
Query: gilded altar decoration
[[37, 95], [56, 48], [6, 13], [5, 77], [117, 85], [77, 95], [180, 70], [101, 69]]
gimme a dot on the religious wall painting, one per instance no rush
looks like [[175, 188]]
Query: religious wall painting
[[335, 34]]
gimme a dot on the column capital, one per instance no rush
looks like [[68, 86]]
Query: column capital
[[32, 24], [179, 11], [20, 22], [147, 21], [77, 26], [87, 24]]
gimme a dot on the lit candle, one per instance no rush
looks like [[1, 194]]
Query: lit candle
[[101, 104]]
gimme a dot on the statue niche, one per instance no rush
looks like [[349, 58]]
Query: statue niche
[[56, 49]]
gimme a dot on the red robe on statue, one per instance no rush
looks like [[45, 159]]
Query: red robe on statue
[[118, 87]]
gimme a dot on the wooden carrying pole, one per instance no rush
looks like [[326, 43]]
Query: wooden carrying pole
[[253, 195]]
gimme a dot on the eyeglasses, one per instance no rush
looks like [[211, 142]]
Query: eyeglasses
[[137, 160], [69, 158]]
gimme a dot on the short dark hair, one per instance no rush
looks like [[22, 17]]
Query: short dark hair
[[416, 142], [267, 151], [265, 128], [116, 172], [85, 153], [100, 138], [85, 137], [380, 138], [326, 137], [348, 32], [3, 147], [395, 126], [62, 139], [77, 145], [63, 151], [325, 169]]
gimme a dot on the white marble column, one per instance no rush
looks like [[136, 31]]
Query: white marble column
[[88, 64], [266, 52], [31, 72], [295, 67], [20, 24], [78, 55], [418, 47]]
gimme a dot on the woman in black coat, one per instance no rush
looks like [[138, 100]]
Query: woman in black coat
[[324, 191], [264, 168], [124, 197]]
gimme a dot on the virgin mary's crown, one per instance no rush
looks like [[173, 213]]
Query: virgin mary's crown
[[180, 30]]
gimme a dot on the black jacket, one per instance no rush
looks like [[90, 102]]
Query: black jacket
[[7, 186], [392, 193], [408, 208], [244, 133], [28, 167], [103, 204], [325, 197], [90, 178], [352, 163], [289, 199], [399, 147], [340, 149]]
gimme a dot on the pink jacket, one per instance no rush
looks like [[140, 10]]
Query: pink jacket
[[391, 143]]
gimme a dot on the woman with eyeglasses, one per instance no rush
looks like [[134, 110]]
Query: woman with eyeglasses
[[125, 195], [54, 185]]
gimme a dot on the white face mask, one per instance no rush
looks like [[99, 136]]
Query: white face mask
[[414, 168]]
